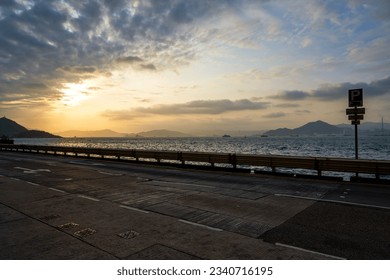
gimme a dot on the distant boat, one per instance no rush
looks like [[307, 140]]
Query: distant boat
[[264, 135], [6, 140], [226, 135]]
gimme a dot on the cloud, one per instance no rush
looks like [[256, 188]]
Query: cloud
[[63, 41], [275, 115], [197, 107], [136, 63], [292, 95], [330, 92], [51, 43]]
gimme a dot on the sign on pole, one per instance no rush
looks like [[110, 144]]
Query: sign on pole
[[355, 97], [355, 114]]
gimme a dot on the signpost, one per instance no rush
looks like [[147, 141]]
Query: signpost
[[355, 114]]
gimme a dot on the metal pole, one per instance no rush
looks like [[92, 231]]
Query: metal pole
[[356, 139], [356, 142]]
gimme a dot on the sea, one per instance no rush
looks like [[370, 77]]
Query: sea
[[369, 147]]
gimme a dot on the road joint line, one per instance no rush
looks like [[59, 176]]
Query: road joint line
[[333, 201], [308, 251], [199, 225]]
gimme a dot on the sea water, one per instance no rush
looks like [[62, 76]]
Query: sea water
[[370, 147]]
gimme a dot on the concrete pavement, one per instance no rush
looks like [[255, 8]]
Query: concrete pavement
[[54, 207]]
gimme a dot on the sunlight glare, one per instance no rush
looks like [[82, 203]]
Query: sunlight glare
[[74, 94]]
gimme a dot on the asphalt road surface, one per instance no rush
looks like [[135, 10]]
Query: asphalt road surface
[[55, 207]]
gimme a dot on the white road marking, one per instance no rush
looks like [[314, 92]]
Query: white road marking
[[57, 190], [200, 225], [309, 251], [87, 197], [108, 173], [31, 183], [134, 209], [27, 170]]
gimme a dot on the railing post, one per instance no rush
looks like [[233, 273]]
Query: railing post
[[317, 167], [233, 160]]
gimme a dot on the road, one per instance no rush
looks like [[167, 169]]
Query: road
[[55, 207]]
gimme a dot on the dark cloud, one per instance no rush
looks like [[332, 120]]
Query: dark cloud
[[292, 95], [129, 60], [49, 40], [136, 63], [80, 69], [198, 107], [287, 105], [331, 92], [275, 115]]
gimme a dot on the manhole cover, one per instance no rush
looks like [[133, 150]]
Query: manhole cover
[[68, 225], [50, 217], [85, 232], [128, 234]]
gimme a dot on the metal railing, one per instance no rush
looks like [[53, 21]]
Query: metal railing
[[319, 164]]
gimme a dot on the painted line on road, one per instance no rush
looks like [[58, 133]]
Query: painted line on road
[[87, 197], [334, 201], [31, 183], [134, 209], [16, 179], [86, 163], [200, 225], [57, 190], [108, 173], [309, 251]]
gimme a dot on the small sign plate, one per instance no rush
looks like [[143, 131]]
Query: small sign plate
[[356, 111], [355, 117]]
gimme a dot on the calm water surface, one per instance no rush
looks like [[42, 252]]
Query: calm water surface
[[370, 147]]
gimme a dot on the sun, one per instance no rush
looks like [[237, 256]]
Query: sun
[[74, 94]]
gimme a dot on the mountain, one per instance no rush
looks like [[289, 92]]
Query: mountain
[[36, 134], [162, 133], [92, 133], [11, 128], [311, 128]]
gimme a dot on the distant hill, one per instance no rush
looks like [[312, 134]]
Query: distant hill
[[11, 128], [92, 133], [162, 133], [312, 128], [36, 134]]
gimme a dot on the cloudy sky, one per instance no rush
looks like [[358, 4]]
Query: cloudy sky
[[191, 65]]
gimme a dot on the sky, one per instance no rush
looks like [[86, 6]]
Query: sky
[[190, 65]]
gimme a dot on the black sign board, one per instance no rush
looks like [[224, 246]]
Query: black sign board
[[355, 97], [355, 117], [357, 111]]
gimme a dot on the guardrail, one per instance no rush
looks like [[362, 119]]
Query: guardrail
[[319, 164]]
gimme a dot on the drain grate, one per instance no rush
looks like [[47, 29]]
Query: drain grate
[[50, 217], [128, 234], [85, 232], [68, 225]]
